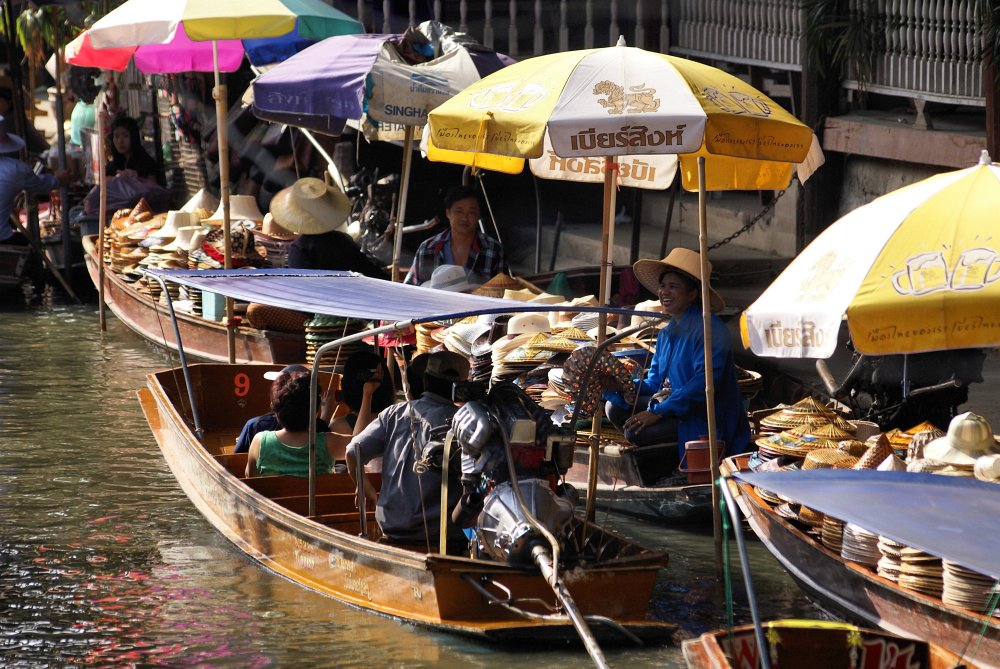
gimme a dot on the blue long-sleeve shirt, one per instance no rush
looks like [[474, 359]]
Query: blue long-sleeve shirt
[[680, 357], [15, 176]]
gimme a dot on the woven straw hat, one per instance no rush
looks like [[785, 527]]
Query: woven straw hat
[[451, 278], [828, 458], [528, 322], [680, 260], [272, 230], [496, 286], [241, 208], [202, 200], [310, 207]]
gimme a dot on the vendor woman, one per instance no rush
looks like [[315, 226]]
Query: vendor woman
[[671, 404], [127, 152]]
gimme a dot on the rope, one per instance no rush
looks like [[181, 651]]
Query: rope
[[991, 608], [749, 224]]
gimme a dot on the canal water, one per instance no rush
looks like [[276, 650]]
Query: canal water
[[104, 562]]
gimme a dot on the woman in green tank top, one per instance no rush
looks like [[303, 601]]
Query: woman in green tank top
[[286, 451]]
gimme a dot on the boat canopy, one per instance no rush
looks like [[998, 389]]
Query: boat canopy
[[352, 295], [954, 518]]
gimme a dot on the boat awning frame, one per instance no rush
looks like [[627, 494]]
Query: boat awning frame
[[352, 295]]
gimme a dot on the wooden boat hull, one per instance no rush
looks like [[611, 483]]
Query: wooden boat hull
[[203, 339], [620, 490], [858, 594], [325, 554], [806, 644]]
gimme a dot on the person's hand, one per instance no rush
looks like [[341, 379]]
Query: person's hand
[[371, 496], [640, 421], [373, 383]]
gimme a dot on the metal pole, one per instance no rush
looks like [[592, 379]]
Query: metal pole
[[404, 186], [102, 215], [734, 516], [222, 130], [183, 358], [706, 314]]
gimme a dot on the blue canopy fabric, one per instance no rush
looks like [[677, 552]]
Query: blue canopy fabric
[[954, 518], [352, 295]]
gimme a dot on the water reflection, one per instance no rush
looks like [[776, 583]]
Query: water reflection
[[104, 561]]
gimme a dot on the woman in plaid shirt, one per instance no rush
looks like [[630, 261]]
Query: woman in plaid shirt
[[461, 244]]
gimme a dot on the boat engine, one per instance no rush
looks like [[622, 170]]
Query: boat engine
[[505, 437]]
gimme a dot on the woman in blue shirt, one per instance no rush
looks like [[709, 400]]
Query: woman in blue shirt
[[671, 405]]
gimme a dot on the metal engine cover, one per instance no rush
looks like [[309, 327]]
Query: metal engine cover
[[504, 531]]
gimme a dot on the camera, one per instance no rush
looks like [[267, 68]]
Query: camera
[[467, 391]]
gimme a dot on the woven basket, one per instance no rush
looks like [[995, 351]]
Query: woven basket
[[266, 317]]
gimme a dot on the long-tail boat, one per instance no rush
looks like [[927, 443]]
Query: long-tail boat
[[816, 644], [594, 584], [956, 519], [203, 338]]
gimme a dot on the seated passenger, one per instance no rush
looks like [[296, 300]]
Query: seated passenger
[[269, 421], [366, 389], [285, 451], [409, 507]]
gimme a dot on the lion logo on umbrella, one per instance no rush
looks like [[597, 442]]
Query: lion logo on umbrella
[[640, 100]]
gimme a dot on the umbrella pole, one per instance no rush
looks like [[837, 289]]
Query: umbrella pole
[[607, 251], [222, 130], [102, 215], [706, 312], [404, 186]]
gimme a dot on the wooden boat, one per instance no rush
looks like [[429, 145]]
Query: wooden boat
[[266, 517], [813, 644], [630, 483], [854, 591], [203, 339]]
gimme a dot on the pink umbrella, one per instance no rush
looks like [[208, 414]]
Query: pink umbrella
[[181, 54]]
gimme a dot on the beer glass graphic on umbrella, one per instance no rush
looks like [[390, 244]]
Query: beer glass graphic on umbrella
[[929, 272]]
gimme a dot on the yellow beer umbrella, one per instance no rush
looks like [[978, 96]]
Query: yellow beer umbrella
[[915, 270], [622, 101]]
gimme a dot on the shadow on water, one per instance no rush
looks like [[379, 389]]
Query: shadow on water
[[104, 561]]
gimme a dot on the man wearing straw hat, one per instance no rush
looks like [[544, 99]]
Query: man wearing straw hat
[[671, 405], [16, 176]]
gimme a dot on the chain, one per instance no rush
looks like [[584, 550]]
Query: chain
[[749, 224]]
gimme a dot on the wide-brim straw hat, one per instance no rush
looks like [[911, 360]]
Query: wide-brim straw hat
[[310, 207], [202, 200], [241, 208], [175, 220], [681, 260], [452, 278], [496, 286], [271, 230], [533, 322], [183, 238]]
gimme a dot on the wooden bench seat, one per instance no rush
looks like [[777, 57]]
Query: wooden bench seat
[[235, 463], [287, 486], [325, 504]]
